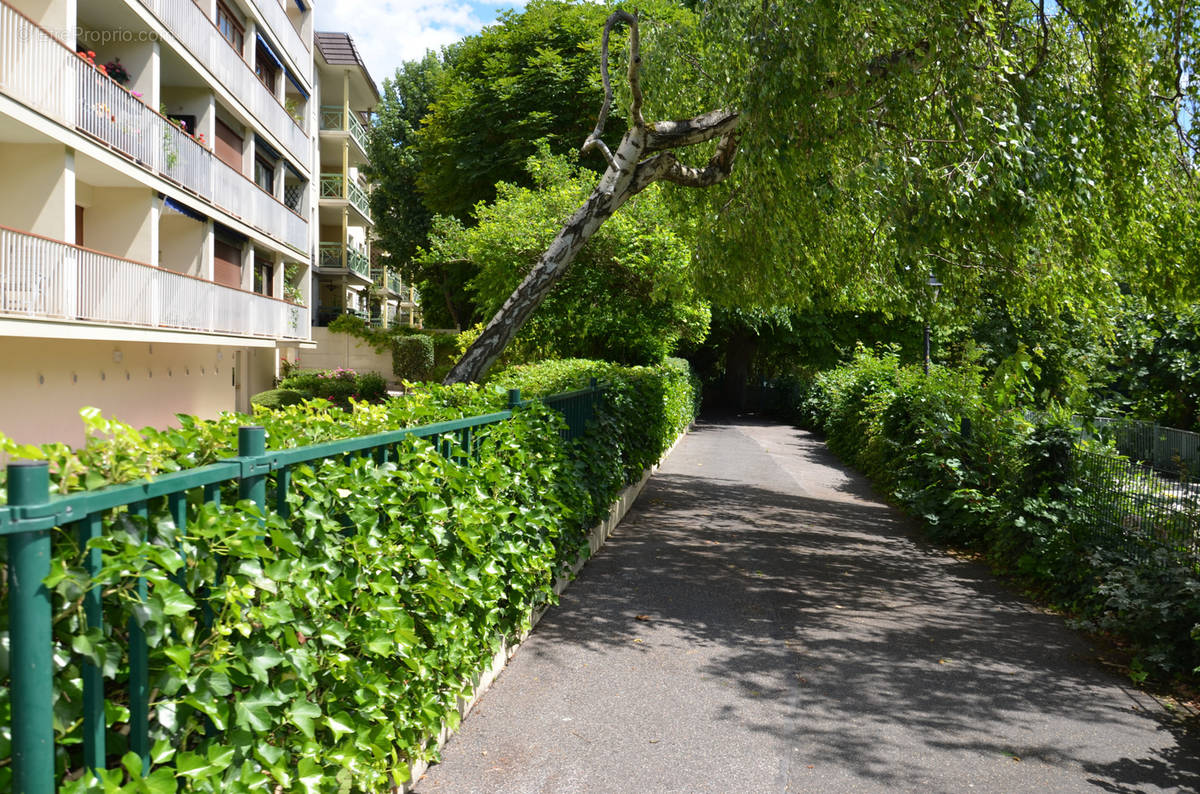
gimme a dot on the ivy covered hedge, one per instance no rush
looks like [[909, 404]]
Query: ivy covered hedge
[[962, 454], [316, 651]]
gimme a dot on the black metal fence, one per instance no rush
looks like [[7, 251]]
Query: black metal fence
[[1137, 509]]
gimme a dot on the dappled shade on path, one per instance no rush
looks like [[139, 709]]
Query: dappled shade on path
[[761, 622]]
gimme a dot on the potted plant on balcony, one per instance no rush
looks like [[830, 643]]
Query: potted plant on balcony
[[116, 70]]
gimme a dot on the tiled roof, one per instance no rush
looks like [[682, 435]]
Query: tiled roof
[[338, 50]]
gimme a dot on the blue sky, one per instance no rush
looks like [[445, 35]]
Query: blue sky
[[389, 32]]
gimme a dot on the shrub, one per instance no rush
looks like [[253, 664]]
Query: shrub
[[336, 385], [960, 453], [353, 618], [277, 398], [412, 357]]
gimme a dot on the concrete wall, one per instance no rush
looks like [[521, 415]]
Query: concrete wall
[[47, 381], [122, 221], [342, 350], [37, 192], [183, 244]]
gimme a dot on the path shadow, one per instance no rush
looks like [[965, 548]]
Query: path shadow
[[834, 612]]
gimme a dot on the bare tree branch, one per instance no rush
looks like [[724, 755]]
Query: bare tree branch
[[594, 141]]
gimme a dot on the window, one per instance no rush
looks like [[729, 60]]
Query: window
[[230, 27], [264, 67], [263, 276], [264, 174]]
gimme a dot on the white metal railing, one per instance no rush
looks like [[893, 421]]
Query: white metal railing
[[192, 26], [37, 70], [46, 279], [299, 50], [31, 66]]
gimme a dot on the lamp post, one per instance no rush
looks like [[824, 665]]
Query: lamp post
[[936, 287]]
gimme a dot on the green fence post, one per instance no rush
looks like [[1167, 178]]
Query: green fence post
[[514, 398], [93, 683], [252, 443], [31, 641]]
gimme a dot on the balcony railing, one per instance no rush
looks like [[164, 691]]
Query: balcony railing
[[331, 257], [37, 70], [299, 50], [336, 186], [333, 119], [46, 279], [199, 34]]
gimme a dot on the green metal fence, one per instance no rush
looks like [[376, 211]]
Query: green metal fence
[[32, 513]]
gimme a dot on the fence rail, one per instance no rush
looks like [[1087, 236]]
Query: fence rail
[[47, 279], [32, 513]]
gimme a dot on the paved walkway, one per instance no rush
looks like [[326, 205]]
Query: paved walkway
[[761, 622]]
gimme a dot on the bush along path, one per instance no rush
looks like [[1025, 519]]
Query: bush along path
[[317, 643], [762, 622], [1071, 521]]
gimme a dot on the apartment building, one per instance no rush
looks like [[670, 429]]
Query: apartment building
[[169, 171], [350, 276]]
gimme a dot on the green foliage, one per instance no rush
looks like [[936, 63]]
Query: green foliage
[[413, 352], [317, 649], [1155, 372], [532, 76], [277, 398], [412, 357], [959, 452], [628, 297], [336, 385], [1020, 156]]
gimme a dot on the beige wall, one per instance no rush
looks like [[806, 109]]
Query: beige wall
[[46, 382], [342, 350], [122, 221], [37, 190], [56, 16], [192, 101], [182, 244]]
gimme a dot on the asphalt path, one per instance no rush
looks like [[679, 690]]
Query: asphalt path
[[762, 622]]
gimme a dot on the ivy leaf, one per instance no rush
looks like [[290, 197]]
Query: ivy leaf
[[302, 714]]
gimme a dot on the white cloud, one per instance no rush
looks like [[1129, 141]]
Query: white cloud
[[389, 32]]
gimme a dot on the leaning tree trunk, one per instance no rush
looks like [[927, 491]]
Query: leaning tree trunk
[[643, 157]]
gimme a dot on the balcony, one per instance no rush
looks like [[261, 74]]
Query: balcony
[[333, 119], [43, 279], [393, 283], [40, 72], [331, 259], [299, 50], [200, 36], [337, 186]]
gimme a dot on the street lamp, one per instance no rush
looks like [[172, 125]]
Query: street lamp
[[936, 287]]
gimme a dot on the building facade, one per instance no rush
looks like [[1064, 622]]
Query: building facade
[[163, 198]]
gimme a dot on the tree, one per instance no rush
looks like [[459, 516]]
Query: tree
[[629, 172], [1039, 156], [628, 298], [452, 125], [531, 77]]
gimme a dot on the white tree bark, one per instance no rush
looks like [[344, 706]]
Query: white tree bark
[[643, 157]]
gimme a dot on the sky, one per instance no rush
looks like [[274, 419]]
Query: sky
[[389, 32]]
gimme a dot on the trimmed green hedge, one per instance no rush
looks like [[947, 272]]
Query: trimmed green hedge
[[960, 453], [340, 635], [277, 398]]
